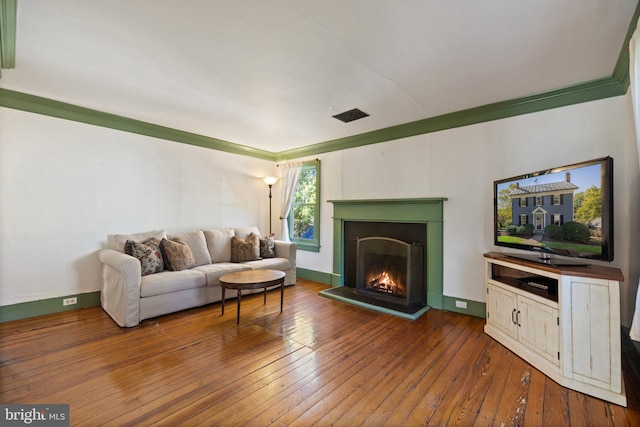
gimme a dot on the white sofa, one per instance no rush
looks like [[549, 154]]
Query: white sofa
[[128, 297]]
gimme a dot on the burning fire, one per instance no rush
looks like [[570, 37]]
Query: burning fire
[[385, 284]]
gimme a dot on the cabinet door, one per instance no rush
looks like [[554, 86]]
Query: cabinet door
[[591, 336], [501, 310], [539, 329]]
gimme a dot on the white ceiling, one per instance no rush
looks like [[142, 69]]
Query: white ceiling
[[269, 74]]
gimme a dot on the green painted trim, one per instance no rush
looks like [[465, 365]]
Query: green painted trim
[[591, 91], [316, 276], [310, 245], [429, 211], [474, 308], [409, 201], [49, 107], [621, 70], [584, 92], [47, 306], [8, 17], [615, 85]]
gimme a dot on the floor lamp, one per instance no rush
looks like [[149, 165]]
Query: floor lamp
[[270, 181]]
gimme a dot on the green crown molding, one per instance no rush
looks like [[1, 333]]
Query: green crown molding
[[621, 70], [8, 15], [62, 110], [584, 92], [615, 85]]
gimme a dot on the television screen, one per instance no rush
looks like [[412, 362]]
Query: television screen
[[564, 211]]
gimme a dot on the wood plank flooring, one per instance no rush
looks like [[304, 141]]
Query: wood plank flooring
[[321, 362]]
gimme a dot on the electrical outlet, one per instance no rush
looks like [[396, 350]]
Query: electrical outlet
[[461, 304], [70, 301]]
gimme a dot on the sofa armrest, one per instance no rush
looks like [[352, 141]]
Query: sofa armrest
[[120, 296], [287, 250]]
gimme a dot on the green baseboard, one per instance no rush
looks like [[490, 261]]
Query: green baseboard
[[47, 306], [474, 308], [316, 276]]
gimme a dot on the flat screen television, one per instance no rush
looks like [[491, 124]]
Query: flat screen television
[[565, 211]]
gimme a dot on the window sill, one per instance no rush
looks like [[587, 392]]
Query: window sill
[[306, 246]]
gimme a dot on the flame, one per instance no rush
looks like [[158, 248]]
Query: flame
[[385, 283]]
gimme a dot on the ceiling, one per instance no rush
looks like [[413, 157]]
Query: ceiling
[[270, 74]]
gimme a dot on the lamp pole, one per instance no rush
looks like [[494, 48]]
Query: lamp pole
[[270, 181], [270, 185]]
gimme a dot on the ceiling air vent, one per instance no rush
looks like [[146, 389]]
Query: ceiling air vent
[[351, 115]]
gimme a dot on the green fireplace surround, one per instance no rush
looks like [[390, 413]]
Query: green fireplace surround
[[428, 210]]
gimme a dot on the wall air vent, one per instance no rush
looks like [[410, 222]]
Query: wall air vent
[[351, 115]]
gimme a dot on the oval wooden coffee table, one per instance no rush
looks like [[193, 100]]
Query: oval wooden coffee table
[[252, 279]]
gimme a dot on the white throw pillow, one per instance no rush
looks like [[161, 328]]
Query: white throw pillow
[[219, 244]]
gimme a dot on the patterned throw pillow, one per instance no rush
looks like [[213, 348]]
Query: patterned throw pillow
[[245, 250], [267, 246], [148, 252], [177, 254]]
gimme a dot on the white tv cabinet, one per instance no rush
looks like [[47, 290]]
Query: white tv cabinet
[[571, 334]]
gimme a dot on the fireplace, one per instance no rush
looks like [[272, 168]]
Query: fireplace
[[391, 270], [412, 221]]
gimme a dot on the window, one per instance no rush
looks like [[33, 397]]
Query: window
[[304, 218], [523, 219], [557, 219], [523, 202], [557, 199], [538, 200]]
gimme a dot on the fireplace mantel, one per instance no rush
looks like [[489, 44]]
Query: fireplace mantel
[[419, 210]]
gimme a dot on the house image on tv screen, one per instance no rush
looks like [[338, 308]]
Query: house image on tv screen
[[543, 204]]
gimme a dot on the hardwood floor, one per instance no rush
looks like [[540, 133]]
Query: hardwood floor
[[321, 362]]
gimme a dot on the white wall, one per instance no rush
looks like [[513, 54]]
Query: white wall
[[461, 164], [64, 186]]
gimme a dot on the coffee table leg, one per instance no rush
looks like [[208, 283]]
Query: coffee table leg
[[281, 295], [223, 289], [239, 301], [265, 296]]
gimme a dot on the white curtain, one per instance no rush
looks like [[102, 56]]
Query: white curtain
[[634, 77], [289, 174]]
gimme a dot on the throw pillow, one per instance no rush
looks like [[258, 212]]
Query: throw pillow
[[219, 244], [243, 250], [267, 246], [255, 241], [177, 254], [148, 253], [198, 245]]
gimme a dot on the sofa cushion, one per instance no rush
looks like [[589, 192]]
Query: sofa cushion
[[214, 271], [244, 250], [148, 253], [219, 244], [171, 281], [117, 241], [198, 245], [267, 246], [282, 264], [177, 254]]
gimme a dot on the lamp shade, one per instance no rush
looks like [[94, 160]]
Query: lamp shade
[[270, 180]]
